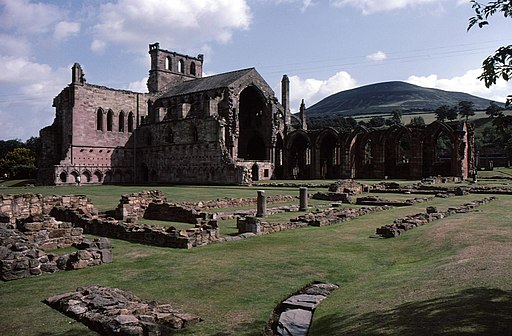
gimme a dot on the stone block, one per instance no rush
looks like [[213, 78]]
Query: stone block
[[304, 301], [294, 322], [106, 255]]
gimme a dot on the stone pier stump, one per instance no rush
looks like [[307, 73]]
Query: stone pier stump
[[262, 204], [303, 199]]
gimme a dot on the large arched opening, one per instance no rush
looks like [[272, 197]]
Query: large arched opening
[[300, 157], [328, 156], [252, 109]]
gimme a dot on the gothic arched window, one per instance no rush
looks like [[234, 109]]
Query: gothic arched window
[[99, 120]]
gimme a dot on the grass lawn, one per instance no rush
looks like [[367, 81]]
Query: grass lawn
[[449, 277]]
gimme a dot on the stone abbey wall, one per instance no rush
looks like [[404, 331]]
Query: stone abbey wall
[[23, 206]]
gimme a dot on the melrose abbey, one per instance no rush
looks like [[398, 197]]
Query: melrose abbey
[[228, 128]]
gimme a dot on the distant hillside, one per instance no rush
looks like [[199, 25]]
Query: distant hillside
[[383, 98]]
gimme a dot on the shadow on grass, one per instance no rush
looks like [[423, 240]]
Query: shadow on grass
[[475, 311], [73, 332], [246, 329]]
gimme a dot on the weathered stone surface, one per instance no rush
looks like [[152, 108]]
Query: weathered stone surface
[[293, 316], [111, 311], [346, 186], [294, 322], [304, 301], [22, 253]]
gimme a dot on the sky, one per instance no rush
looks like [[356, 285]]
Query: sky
[[324, 46]]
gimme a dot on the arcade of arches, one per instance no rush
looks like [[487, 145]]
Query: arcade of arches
[[397, 152]]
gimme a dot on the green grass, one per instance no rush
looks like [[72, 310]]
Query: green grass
[[402, 286]]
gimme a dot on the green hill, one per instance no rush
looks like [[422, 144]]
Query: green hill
[[384, 98]]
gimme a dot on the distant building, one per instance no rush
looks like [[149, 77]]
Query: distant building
[[223, 129]]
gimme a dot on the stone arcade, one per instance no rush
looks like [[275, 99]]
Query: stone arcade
[[224, 129]]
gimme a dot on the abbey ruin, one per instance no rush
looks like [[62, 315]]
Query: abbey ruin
[[228, 128]]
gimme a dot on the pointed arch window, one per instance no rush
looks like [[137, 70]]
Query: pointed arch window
[[130, 122], [181, 66], [168, 63], [193, 68], [99, 120], [110, 120], [121, 121]]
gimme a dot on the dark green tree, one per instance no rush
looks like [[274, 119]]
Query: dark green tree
[[8, 145], [452, 113], [417, 121], [466, 109], [493, 110], [498, 65], [19, 163], [377, 122], [396, 117], [442, 112]]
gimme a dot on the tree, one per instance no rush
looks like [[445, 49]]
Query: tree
[[396, 117], [493, 110], [452, 113], [442, 112], [466, 109], [498, 65], [8, 145], [377, 122], [19, 163], [417, 121]]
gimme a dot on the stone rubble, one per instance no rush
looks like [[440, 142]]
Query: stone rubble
[[400, 225], [112, 311]]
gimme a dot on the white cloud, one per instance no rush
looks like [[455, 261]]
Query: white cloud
[[468, 83], [313, 90], [65, 29], [186, 23], [377, 57], [305, 3], [27, 17], [25, 104], [13, 45], [373, 6], [139, 86], [21, 70]]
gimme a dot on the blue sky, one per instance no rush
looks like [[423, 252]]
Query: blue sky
[[324, 46]]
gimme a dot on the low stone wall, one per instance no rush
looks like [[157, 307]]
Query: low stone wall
[[346, 186], [329, 216], [402, 224], [134, 206], [333, 196], [251, 224], [376, 201], [176, 213], [112, 311], [152, 235], [21, 258], [236, 202], [252, 212], [48, 233], [16, 207]]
